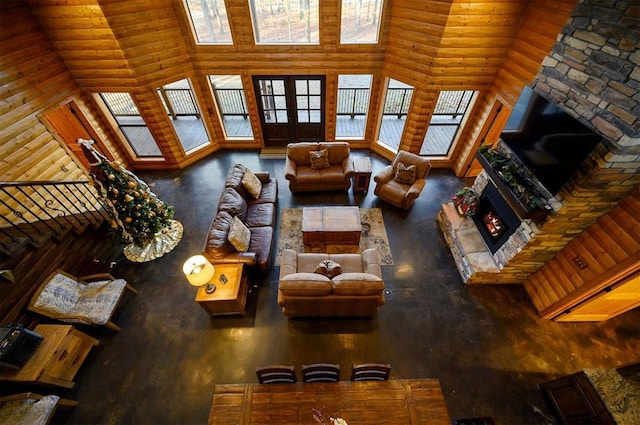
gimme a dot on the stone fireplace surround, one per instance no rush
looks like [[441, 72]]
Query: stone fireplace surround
[[593, 72]]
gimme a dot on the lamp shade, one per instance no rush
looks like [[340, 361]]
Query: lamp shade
[[198, 270]]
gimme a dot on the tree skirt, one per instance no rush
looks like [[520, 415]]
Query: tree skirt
[[164, 242], [374, 235]]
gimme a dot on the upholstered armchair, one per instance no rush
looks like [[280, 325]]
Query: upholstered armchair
[[89, 300], [398, 188], [30, 408]]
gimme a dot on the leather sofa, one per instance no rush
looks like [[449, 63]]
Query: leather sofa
[[356, 292], [258, 214], [303, 178]]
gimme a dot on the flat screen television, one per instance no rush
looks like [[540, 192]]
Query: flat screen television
[[549, 141]]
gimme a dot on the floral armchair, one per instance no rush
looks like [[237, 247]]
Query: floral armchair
[[29, 408], [89, 300]]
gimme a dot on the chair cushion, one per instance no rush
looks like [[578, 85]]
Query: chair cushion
[[405, 173], [299, 152], [251, 183], [260, 214], [99, 299], [319, 159], [338, 151], [60, 295], [357, 284], [332, 174], [307, 175], [261, 241], [28, 411], [232, 202], [239, 235], [217, 245], [393, 191], [305, 284]]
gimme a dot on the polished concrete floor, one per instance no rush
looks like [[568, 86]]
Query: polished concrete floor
[[486, 344]]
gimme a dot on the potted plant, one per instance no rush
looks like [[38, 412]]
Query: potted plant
[[466, 201]]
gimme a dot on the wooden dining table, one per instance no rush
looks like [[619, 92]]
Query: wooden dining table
[[398, 401]]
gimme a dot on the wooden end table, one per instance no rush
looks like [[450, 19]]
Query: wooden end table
[[362, 174], [228, 298], [56, 360]]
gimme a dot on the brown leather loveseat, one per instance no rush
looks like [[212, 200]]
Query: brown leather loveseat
[[257, 214], [336, 175], [356, 292]]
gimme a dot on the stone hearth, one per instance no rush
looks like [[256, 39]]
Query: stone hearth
[[593, 72]]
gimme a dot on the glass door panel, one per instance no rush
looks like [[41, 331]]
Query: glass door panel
[[181, 106]]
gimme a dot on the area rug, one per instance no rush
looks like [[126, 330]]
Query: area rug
[[279, 152], [374, 235]]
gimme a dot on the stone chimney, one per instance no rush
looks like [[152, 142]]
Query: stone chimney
[[593, 72]]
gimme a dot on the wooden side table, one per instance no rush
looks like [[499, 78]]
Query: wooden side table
[[56, 360], [228, 298], [362, 176]]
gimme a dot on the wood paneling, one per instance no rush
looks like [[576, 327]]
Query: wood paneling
[[604, 254], [111, 45]]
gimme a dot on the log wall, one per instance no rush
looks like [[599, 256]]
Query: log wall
[[109, 45], [604, 253]]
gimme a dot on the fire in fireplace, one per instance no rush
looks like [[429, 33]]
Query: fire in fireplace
[[494, 225], [495, 219]]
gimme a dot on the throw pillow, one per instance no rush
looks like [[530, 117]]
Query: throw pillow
[[251, 183], [405, 174], [319, 159], [328, 268], [239, 235]]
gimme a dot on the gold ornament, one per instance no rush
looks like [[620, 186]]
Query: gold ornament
[[111, 177], [128, 219], [136, 193], [138, 206], [151, 214], [114, 225], [128, 198], [115, 191]]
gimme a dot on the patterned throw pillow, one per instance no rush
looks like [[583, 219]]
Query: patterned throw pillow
[[251, 183], [328, 268], [405, 174], [319, 159], [239, 235]]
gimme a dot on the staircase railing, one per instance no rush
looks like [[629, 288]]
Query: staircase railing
[[33, 210]]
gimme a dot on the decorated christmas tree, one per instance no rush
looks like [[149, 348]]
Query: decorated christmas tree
[[137, 214]]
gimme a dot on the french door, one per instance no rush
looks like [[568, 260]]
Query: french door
[[291, 108]]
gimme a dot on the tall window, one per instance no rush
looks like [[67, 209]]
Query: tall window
[[354, 92], [126, 115], [396, 106], [232, 105], [279, 21], [451, 108], [360, 21], [180, 104], [209, 21]]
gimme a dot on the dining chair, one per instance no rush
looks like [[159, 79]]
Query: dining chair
[[276, 374], [370, 372], [321, 372]]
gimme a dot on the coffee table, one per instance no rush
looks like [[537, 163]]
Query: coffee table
[[331, 226]]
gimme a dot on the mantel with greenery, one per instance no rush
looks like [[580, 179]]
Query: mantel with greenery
[[529, 203]]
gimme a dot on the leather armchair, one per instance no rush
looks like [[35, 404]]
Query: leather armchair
[[402, 195]]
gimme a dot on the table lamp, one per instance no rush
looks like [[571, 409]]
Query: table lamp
[[199, 272]]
